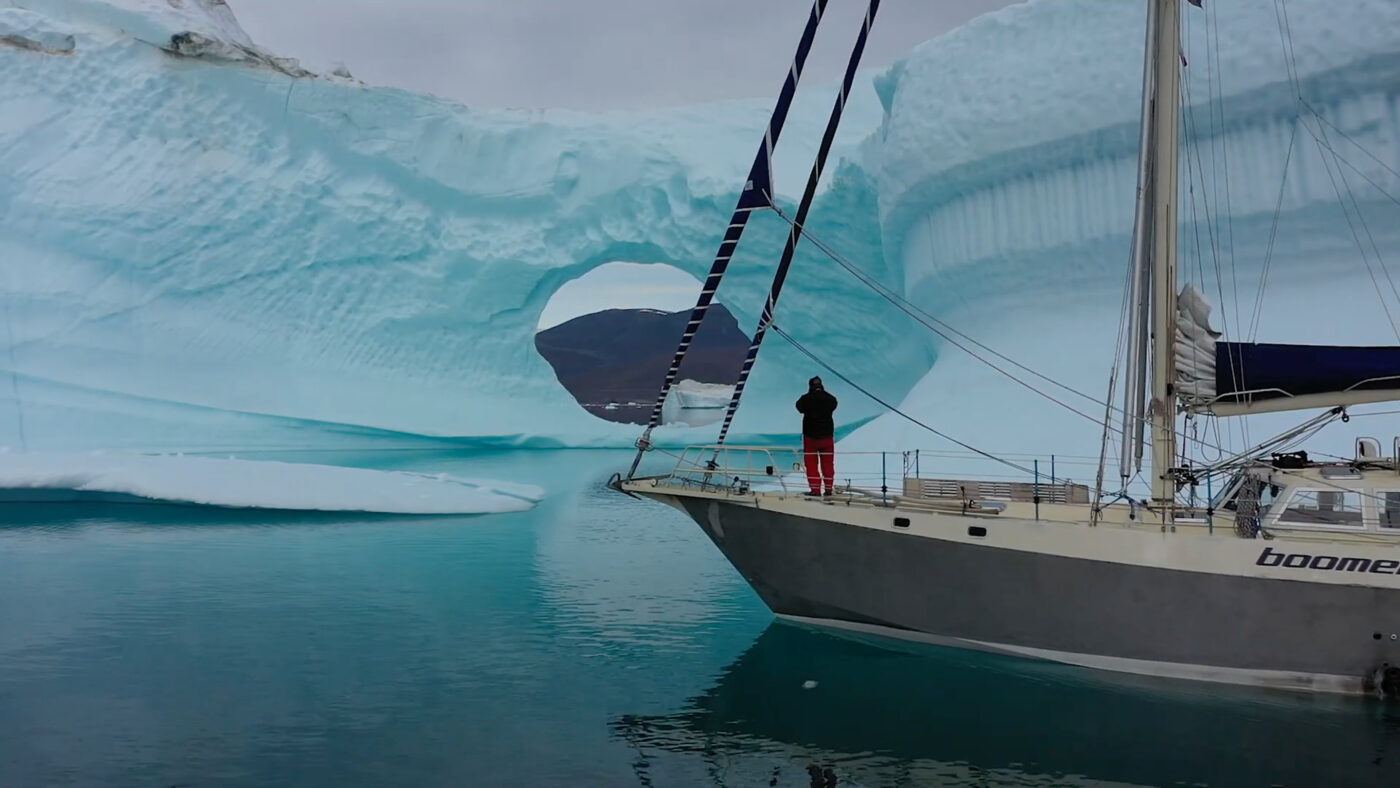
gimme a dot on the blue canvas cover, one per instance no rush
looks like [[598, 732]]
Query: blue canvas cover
[[1273, 371]]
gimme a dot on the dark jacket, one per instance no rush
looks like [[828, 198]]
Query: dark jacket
[[816, 407]]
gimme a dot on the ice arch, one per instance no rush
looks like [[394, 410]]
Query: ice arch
[[201, 252], [610, 335]]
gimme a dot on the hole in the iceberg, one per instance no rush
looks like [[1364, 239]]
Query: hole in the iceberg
[[610, 336]]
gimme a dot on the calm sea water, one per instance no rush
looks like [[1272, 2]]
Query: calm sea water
[[595, 640]]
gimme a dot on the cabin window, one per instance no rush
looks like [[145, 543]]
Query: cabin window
[[1334, 508], [1390, 509]]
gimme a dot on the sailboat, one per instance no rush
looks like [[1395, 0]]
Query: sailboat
[[1287, 577]]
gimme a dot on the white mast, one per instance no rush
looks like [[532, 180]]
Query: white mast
[[1164, 192]]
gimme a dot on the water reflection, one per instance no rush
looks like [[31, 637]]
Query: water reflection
[[136, 515], [880, 716]]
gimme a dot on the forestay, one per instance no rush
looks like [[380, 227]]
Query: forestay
[[756, 195]]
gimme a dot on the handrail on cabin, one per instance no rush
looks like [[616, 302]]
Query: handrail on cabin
[[1248, 394]]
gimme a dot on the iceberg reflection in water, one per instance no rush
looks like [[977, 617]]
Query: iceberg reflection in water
[[898, 715]]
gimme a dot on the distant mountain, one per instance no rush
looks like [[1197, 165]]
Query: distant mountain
[[621, 355]]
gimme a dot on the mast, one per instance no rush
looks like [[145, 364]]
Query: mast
[[1164, 192], [1135, 387]]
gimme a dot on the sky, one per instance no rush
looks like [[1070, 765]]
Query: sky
[[588, 54], [621, 285]]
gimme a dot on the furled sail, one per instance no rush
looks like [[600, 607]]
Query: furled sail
[[1195, 348], [1240, 378]]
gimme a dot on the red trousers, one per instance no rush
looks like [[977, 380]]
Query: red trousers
[[820, 451]]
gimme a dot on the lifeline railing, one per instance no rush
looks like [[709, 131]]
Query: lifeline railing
[[714, 467], [743, 470]]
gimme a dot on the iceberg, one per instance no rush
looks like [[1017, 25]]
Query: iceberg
[[229, 483], [203, 244], [249, 256], [692, 394], [1007, 187]]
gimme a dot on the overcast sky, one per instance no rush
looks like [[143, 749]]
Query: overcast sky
[[588, 54], [621, 285]]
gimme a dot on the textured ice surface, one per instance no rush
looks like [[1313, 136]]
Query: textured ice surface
[[205, 250], [245, 257], [243, 484], [1006, 190]]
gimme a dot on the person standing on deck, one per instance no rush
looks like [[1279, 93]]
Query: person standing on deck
[[818, 437]]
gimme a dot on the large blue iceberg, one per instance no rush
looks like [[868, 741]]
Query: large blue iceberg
[[204, 245]]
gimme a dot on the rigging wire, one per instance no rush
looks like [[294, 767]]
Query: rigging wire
[[824, 365], [1193, 149], [1313, 111], [1285, 34], [1196, 219], [1289, 440], [1223, 238], [1321, 138], [1360, 247], [1273, 235], [1215, 91], [1217, 240], [1375, 413], [864, 278], [809, 194], [1292, 437], [1286, 37], [915, 312], [944, 330], [760, 177], [1300, 433], [1339, 157], [1199, 171], [1324, 142], [1360, 217], [1314, 424]]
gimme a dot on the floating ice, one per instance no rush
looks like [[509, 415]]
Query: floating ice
[[248, 484], [694, 395]]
